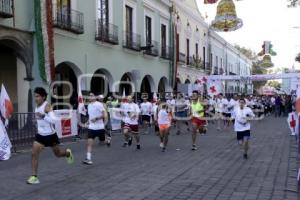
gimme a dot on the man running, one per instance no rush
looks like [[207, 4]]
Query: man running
[[46, 135], [146, 110], [96, 128], [242, 115], [198, 121], [131, 112]]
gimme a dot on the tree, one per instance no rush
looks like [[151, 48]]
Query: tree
[[274, 84], [298, 58], [293, 3], [256, 69]]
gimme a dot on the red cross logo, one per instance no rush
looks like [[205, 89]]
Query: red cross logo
[[213, 89], [293, 123]]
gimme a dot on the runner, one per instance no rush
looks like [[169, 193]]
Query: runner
[[242, 115], [232, 105], [198, 123], [96, 128], [130, 112], [164, 119], [107, 121], [146, 110], [46, 136], [181, 112]]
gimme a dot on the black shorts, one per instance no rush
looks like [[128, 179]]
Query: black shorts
[[227, 115], [92, 134], [146, 118], [243, 135], [47, 141]]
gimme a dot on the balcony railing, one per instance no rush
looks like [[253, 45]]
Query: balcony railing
[[6, 8], [182, 58], [69, 20], [153, 48], [132, 41], [166, 52], [107, 33]]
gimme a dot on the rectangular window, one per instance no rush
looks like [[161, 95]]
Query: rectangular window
[[64, 11], [163, 36], [187, 51], [129, 27], [197, 50], [103, 11], [204, 55], [148, 30]]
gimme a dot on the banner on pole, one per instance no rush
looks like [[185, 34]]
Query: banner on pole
[[66, 124], [260, 77], [5, 144]]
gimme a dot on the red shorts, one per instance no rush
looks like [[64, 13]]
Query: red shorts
[[198, 122], [132, 127]]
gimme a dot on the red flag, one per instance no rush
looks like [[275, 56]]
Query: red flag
[[6, 106]]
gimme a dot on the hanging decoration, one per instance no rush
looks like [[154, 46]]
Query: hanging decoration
[[267, 48], [266, 62], [226, 18], [45, 42], [210, 1]]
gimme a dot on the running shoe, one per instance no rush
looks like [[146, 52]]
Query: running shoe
[[245, 156], [130, 141], [33, 180], [194, 148], [138, 147], [87, 162], [161, 145], [125, 144], [163, 149], [70, 158]]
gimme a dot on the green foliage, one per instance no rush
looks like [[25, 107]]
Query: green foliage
[[298, 58], [274, 84], [293, 3]]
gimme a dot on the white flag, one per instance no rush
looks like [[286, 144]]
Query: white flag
[[214, 88], [293, 123], [81, 107], [5, 144], [6, 106]]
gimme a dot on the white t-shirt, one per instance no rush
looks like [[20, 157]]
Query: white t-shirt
[[95, 110], [232, 105], [163, 117], [241, 123], [146, 108], [45, 126], [225, 104], [129, 110]]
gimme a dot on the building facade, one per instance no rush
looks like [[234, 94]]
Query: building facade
[[131, 46]]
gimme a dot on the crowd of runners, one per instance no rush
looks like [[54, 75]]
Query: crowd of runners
[[188, 114]]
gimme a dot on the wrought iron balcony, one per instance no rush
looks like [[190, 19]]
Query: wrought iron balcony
[[166, 52], [132, 41], [182, 58], [107, 33], [69, 20], [6, 8], [153, 48]]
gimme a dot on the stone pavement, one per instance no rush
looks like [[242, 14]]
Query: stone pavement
[[216, 171]]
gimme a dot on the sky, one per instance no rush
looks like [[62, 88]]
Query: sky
[[263, 20]]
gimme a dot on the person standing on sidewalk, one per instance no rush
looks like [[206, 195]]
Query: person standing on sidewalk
[[242, 116], [46, 135], [96, 128]]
